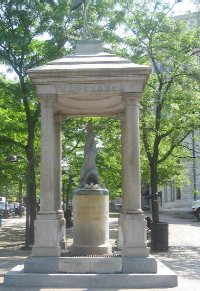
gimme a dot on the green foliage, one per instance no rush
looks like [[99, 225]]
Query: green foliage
[[107, 137], [34, 32], [23, 26], [13, 133], [170, 105]]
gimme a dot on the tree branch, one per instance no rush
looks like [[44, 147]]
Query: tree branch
[[8, 140], [173, 146]]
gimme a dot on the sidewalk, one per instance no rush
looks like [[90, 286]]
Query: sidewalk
[[182, 257]]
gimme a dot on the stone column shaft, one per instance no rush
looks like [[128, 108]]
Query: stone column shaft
[[57, 161], [131, 156], [47, 199], [47, 225], [57, 183], [132, 226]]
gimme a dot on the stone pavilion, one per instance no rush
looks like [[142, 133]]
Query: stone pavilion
[[90, 83]]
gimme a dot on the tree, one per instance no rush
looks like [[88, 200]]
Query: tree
[[22, 24], [32, 33], [170, 105], [11, 121]]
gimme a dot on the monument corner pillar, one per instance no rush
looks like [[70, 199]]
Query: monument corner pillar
[[132, 223], [48, 225], [57, 177]]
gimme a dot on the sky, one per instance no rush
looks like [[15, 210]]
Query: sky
[[179, 9], [182, 7]]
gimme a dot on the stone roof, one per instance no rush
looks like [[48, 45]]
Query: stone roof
[[90, 82]]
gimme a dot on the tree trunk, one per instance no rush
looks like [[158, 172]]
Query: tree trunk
[[154, 196], [31, 119], [31, 187]]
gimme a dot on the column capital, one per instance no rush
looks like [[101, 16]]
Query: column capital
[[131, 98], [47, 99], [58, 118]]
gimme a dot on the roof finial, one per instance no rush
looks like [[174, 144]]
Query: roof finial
[[74, 5]]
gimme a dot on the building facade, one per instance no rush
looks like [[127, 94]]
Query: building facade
[[173, 197]]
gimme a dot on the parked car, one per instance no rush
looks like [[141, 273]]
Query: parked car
[[196, 209]]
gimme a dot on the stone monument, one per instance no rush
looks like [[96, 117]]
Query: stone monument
[[90, 207], [90, 83]]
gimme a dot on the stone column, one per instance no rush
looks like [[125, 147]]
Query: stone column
[[47, 225], [57, 162], [47, 199], [132, 222], [57, 179], [131, 155]]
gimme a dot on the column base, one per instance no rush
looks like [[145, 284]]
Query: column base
[[46, 238], [139, 265], [133, 235]]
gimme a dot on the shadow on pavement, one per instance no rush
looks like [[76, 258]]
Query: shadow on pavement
[[183, 261], [14, 236]]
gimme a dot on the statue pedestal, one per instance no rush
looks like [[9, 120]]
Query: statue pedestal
[[91, 222]]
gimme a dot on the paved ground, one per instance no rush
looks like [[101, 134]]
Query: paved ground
[[182, 257]]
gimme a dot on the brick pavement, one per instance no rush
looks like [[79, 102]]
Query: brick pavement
[[182, 257]]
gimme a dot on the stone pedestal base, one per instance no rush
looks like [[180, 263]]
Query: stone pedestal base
[[108, 265], [46, 265], [164, 278], [139, 265], [92, 265], [91, 222], [133, 235], [91, 250], [47, 236]]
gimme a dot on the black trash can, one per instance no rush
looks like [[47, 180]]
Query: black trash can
[[159, 237]]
